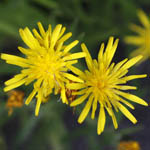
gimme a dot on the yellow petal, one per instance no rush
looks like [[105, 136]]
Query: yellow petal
[[131, 97], [29, 39], [132, 77], [109, 45], [112, 52], [137, 29], [85, 110], [62, 32], [111, 113], [74, 56], [114, 120], [81, 92], [38, 104], [144, 19], [76, 71], [55, 35], [65, 37], [14, 85], [70, 46], [127, 113], [42, 31], [131, 62], [79, 100], [94, 107], [100, 54], [63, 95], [125, 87], [71, 62], [26, 39], [127, 103], [50, 30], [118, 66], [30, 97], [88, 57], [36, 34], [59, 46], [46, 40], [135, 40], [12, 58], [15, 79], [75, 86], [24, 50], [109, 110], [72, 77], [101, 121]]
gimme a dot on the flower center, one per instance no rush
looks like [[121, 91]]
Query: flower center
[[48, 66], [100, 85]]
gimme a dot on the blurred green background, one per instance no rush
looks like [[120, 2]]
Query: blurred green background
[[56, 128]]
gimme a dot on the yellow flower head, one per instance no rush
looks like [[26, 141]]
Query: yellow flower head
[[46, 63], [142, 39], [104, 84], [15, 100], [129, 145]]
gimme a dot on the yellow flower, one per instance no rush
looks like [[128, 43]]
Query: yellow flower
[[104, 84], [142, 39], [129, 145], [46, 63], [15, 100]]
